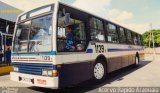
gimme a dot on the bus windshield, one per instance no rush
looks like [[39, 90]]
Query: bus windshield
[[34, 35]]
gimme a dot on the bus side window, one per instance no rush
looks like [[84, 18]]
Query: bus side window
[[71, 37], [122, 35], [129, 37], [97, 30], [112, 35], [135, 39]]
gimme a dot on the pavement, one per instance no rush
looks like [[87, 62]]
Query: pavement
[[6, 82], [147, 74]]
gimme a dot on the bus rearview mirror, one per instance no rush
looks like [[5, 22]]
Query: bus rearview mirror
[[67, 19]]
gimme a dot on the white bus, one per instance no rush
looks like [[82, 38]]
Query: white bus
[[58, 45]]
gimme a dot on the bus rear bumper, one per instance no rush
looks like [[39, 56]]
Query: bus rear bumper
[[35, 80]]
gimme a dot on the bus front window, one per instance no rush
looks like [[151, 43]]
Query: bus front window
[[40, 36], [34, 35], [21, 37]]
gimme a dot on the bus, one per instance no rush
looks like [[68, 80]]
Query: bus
[[5, 48], [58, 45]]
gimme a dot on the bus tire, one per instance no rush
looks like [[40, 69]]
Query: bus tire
[[99, 71], [137, 60]]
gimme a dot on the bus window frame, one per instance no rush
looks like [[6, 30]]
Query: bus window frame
[[119, 33], [28, 41], [135, 35], [86, 27], [92, 28], [116, 30], [129, 43]]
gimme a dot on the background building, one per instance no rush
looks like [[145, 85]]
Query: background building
[[8, 15]]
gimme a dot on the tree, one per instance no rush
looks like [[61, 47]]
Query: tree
[[146, 37]]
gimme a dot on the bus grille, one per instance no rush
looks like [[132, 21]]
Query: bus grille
[[32, 68]]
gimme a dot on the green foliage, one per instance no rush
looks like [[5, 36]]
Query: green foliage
[[146, 37]]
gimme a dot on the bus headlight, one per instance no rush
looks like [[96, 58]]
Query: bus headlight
[[15, 69], [44, 72], [53, 73], [49, 73]]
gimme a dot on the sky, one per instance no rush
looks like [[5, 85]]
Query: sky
[[136, 15]]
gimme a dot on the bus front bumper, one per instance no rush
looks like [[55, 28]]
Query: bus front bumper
[[35, 80]]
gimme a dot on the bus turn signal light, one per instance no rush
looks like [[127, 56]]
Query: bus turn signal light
[[55, 73], [59, 66]]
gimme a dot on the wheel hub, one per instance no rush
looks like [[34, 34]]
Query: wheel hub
[[99, 71], [137, 60]]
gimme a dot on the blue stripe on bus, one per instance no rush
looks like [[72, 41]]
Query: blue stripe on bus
[[118, 50], [89, 51], [35, 54], [32, 68]]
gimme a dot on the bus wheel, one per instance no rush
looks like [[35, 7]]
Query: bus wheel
[[137, 61], [99, 71]]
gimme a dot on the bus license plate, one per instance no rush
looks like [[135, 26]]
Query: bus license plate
[[26, 79]]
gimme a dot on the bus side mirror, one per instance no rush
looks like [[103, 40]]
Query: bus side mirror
[[67, 19]]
